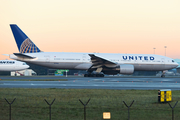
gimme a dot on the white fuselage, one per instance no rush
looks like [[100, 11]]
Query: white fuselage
[[98, 62], [12, 65], [82, 61]]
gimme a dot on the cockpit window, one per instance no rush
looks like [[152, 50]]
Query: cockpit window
[[24, 64], [172, 60]]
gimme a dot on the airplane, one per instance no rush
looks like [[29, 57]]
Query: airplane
[[96, 64], [12, 65]]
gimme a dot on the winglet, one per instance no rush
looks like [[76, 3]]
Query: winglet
[[25, 45]]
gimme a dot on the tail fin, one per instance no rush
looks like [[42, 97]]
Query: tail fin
[[25, 45]]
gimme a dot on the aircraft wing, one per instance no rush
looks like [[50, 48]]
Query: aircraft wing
[[101, 62], [23, 56]]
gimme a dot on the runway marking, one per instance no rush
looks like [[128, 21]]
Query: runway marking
[[96, 79]]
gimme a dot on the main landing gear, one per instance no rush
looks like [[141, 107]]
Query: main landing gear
[[93, 75], [163, 74]]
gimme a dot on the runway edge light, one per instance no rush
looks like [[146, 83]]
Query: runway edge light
[[164, 95], [106, 115]]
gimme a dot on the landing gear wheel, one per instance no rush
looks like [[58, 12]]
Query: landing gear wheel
[[93, 75], [101, 75], [162, 76], [89, 75], [97, 75]]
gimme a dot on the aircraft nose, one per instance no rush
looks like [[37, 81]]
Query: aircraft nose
[[176, 64], [27, 66]]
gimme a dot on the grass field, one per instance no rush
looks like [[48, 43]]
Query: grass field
[[30, 104]]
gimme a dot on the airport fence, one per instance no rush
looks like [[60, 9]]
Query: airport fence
[[88, 110]]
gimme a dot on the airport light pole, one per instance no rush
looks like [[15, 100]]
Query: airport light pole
[[154, 50], [165, 49]]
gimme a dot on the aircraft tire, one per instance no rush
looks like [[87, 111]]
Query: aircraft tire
[[102, 75], [97, 75], [94, 75], [162, 76]]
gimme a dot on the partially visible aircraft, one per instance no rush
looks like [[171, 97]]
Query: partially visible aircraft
[[12, 65], [106, 63]]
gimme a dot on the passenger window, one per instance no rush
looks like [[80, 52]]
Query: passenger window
[[172, 60]]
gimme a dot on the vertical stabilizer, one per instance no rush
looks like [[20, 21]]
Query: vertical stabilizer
[[25, 45]]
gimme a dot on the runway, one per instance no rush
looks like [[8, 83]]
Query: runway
[[121, 83]]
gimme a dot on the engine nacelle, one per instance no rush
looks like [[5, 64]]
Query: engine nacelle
[[126, 69]]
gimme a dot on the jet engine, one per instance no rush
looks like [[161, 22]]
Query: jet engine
[[126, 69]]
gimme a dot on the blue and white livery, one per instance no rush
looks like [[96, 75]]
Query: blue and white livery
[[99, 62]]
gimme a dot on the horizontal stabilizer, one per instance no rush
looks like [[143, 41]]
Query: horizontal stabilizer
[[23, 56], [5, 54]]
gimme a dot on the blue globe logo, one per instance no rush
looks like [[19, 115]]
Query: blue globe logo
[[28, 47]]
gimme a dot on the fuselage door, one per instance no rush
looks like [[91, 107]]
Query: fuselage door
[[162, 61], [84, 58], [47, 58]]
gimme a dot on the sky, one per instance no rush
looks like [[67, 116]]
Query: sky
[[102, 26]]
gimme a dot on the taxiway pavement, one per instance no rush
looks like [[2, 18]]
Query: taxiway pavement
[[139, 83]]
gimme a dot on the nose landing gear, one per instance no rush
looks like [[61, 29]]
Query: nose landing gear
[[163, 74]]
